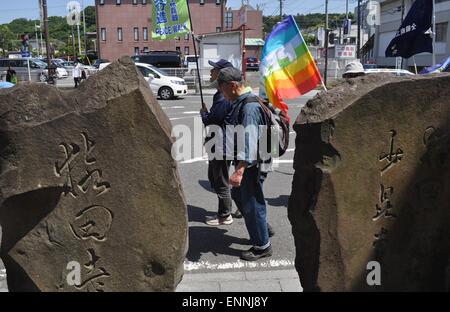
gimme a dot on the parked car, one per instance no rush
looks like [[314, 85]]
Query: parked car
[[252, 63], [190, 64], [61, 72], [397, 72], [370, 66], [100, 61], [160, 59], [442, 67], [165, 86], [20, 65]]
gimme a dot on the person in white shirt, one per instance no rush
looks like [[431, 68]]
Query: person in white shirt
[[76, 74]]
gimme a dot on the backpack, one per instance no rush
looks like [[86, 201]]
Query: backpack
[[274, 117]]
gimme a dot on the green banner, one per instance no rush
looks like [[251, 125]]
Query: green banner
[[170, 19]]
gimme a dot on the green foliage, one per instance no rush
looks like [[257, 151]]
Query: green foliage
[[308, 23], [7, 39], [59, 31]]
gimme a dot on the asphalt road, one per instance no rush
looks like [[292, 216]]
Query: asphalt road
[[216, 249]]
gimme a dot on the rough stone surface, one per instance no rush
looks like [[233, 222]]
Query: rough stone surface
[[372, 183], [87, 176]]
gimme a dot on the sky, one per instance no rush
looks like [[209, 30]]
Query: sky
[[11, 9]]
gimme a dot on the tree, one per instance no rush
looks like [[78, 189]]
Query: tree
[[7, 39]]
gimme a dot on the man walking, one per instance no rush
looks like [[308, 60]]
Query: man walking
[[76, 74], [250, 173], [218, 169]]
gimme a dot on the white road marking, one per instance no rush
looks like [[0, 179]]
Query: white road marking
[[178, 118], [174, 107], [194, 160], [205, 265], [192, 112], [283, 161]]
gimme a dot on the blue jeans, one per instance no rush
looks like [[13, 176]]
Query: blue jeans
[[249, 199]]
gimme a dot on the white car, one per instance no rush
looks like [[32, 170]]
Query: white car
[[165, 86], [397, 72]]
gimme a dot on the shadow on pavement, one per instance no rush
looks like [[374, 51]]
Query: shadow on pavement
[[280, 201], [197, 214], [208, 239], [206, 185]]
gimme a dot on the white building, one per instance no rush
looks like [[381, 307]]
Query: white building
[[391, 13]]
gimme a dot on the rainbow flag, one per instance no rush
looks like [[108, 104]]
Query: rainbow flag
[[287, 68]]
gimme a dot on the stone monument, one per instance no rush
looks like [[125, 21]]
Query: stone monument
[[370, 202], [90, 197]]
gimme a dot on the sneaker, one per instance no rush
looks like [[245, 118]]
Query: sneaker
[[216, 220], [237, 214], [270, 229], [254, 254]]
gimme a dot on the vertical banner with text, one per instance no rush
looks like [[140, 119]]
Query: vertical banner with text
[[170, 19]]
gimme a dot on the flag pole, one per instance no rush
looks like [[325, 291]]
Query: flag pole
[[434, 32], [415, 64], [323, 84], [196, 56]]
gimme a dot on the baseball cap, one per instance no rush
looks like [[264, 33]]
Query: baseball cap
[[229, 74], [220, 64]]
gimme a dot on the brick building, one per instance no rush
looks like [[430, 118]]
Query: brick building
[[124, 26]]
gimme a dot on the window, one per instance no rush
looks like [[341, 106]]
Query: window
[[134, 2], [136, 51], [144, 2], [145, 33], [146, 50], [177, 38], [101, 2], [186, 36], [186, 50], [103, 34], [118, 2], [202, 2], [218, 2], [119, 34], [178, 49], [218, 29], [441, 32], [229, 20], [136, 33]]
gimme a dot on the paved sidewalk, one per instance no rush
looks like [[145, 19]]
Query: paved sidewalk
[[246, 281]]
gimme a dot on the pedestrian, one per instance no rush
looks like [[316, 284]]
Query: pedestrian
[[11, 75], [218, 169], [353, 70], [250, 172], [76, 74]]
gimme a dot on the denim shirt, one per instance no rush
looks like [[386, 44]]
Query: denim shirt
[[251, 118]]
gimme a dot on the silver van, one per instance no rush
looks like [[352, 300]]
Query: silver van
[[37, 68]]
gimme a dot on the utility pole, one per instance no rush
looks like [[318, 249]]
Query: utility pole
[[281, 10], [84, 32], [37, 38], [358, 40], [346, 9], [51, 68], [326, 43], [73, 45]]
